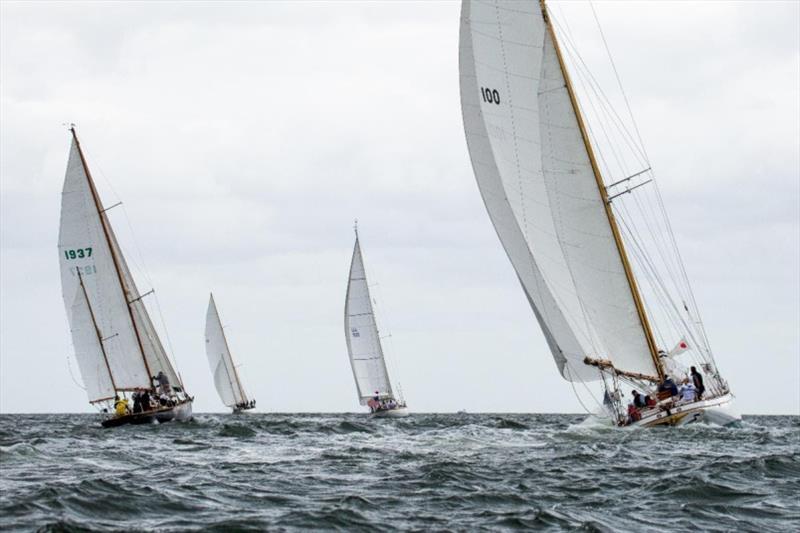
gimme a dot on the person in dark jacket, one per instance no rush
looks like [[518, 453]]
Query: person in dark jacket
[[638, 400], [697, 379]]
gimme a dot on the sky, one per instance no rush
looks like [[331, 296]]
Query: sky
[[244, 139]]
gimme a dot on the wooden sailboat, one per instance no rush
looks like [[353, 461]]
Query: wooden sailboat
[[541, 183], [373, 385], [124, 366], [226, 376]]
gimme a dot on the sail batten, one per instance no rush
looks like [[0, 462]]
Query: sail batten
[[363, 341], [539, 185]]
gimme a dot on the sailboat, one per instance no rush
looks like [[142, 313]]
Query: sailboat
[[226, 377], [536, 167], [373, 385], [119, 353]]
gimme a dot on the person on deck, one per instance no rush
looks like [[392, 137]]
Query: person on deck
[[688, 392], [144, 399], [120, 406], [638, 400], [137, 402], [697, 380], [163, 382], [668, 385]]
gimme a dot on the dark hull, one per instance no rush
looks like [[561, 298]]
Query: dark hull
[[180, 412]]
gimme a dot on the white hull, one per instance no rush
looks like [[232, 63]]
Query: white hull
[[400, 412], [717, 411]]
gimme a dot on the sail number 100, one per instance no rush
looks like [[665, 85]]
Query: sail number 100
[[78, 253], [490, 95]]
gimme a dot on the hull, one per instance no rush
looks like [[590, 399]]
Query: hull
[[240, 410], [717, 411], [400, 412], [181, 412]]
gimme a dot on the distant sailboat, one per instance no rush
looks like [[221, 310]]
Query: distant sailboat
[[226, 377], [536, 169], [124, 366], [364, 346]]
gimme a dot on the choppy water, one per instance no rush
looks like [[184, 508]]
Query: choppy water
[[427, 472]]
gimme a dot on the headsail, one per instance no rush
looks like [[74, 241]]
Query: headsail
[[97, 285], [536, 177], [226, 378], [361, 332]]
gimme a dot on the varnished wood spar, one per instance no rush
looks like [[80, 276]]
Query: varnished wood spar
[[106, 229], [97, 332], [651, 343], [604, 363], [228, 349]]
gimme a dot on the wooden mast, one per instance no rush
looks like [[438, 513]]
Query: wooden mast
[[104, 223], [637, 299], [227, 348], [97, 332]]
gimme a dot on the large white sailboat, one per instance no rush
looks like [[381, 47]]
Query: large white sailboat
[[125, 369], [565, 230], [364, 346], [226, 376]]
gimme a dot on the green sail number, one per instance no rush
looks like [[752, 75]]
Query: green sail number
[[78, 253]]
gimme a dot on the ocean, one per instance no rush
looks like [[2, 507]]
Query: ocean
[[431, 472]]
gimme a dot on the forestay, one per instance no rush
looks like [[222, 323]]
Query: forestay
[[535, 175], [226, 378], [361, 332]]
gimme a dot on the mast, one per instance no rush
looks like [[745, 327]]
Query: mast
[[96, 330], [104, 223], [228, 350], [637, 299]]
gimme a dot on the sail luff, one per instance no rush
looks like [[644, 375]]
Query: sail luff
[[97, 332], [105, 225], [606, 203]]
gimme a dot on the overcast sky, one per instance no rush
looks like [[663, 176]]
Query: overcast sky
[[245, 138]]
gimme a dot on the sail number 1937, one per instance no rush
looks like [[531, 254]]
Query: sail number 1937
[[490, 95], [78, 253]]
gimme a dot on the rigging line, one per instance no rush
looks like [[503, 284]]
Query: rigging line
[[645, 159], [670, 300], [586, 82], [619, 81], [682, 266], [644, 152], [667, 259], [649, 271]]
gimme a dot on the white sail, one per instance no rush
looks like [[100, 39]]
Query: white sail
[[361, 332], [88, 350], [535, 175], [226, 378], [156, 356], [83, 246]]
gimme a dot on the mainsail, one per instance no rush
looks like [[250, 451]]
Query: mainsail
[[536, 173], [361, 332], [107, 318], [226, 378]]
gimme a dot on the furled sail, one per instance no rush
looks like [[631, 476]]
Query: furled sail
[[122, 334], [226, 378], [536, 177], [361, 332]]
